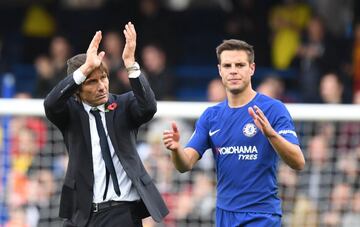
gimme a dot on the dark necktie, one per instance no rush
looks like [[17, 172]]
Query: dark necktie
[[105, 151]]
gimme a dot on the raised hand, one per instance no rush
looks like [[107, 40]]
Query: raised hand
[[93, 59], [261, 121], [171, 138], [130, 45]]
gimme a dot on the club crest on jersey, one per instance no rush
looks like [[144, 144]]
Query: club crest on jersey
[[250, 130]]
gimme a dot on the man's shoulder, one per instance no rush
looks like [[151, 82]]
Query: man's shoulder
[[215, 107], [118, 97], [213, 110]]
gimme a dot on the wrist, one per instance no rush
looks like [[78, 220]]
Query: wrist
[[129, 62], [132, 67], [272, 135], [85, 69]]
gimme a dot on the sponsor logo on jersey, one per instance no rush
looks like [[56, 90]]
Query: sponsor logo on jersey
[[250, 130], [211, 133], [243, 152]]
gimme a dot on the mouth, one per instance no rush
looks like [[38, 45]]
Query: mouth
[[102, 96], [234, 80]]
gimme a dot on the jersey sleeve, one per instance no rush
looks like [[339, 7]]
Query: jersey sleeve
[[284, 124], [199, 139]]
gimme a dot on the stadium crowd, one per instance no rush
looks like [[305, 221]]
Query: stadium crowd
[[307, 52]]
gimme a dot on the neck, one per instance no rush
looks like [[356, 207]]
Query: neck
[[240, 99]]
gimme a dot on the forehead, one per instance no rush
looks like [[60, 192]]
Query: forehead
[[229, 56], [96, 74]]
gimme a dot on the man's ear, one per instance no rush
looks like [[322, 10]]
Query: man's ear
[[77, 95]]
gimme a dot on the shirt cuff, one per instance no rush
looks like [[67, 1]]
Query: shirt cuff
[[135, 74], [79, 77]]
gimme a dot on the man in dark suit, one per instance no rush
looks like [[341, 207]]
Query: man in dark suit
[[106, 183]]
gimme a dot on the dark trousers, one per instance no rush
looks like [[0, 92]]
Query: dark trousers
[[124, 215], [116, 216]]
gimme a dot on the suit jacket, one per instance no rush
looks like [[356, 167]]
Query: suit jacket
[[68, 114]]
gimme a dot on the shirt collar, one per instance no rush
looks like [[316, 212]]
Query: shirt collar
[[87, 107]]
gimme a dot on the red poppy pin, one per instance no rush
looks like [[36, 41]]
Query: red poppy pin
[[111, 106]]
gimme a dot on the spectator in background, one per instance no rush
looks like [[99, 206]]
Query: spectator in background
[[356, 97], [318, 175], [216, 91], [304, 213], [152, 22], [288, 180], [349, 132], [17, 217], [352, 218], [337, 15], [287, 20], [157, 71], [272, 86], [60, 51], [82, 4], [195, 202], [113, 46], [315, 55], [50, 70], [43, 203], [347, 168], [38, 26], [356, 58], [44, 76], [331, 89], [339, 205]]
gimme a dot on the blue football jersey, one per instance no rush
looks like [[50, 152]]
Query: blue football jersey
[[246, 163]]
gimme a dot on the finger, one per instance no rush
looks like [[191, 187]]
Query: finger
[[166, 132], [174, 127], [259, 111], [167, 136], [128, 29], [126, 34], [93, 39], [131, 29], [101, 55], [96, 40], [167, 141], [261, 121], [252, 113]]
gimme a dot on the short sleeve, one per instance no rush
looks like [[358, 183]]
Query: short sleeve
[[199, 139], [284, 124]]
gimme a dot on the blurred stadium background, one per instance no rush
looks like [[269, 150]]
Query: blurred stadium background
[[307, 52]]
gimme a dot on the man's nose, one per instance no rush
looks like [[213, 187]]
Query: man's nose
[[101, 86], [233, 68]]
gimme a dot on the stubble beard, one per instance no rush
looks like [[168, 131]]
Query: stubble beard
[[239, 89]]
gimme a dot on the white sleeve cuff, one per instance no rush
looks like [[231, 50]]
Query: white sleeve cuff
[[79, 77], [135, 74]]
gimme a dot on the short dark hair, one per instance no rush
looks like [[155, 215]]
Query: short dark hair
[[75, 62], [235, 44]]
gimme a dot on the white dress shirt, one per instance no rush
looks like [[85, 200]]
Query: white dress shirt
[[128, 192]]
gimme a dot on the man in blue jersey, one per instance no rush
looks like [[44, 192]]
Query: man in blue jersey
[[246, 133]]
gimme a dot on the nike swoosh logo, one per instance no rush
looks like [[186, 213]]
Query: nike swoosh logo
[[211, 133]]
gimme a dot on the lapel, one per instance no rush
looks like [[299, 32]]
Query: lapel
[[86, 155], [109, 117]]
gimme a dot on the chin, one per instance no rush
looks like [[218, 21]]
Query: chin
[[104, 100], [101, 101]]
